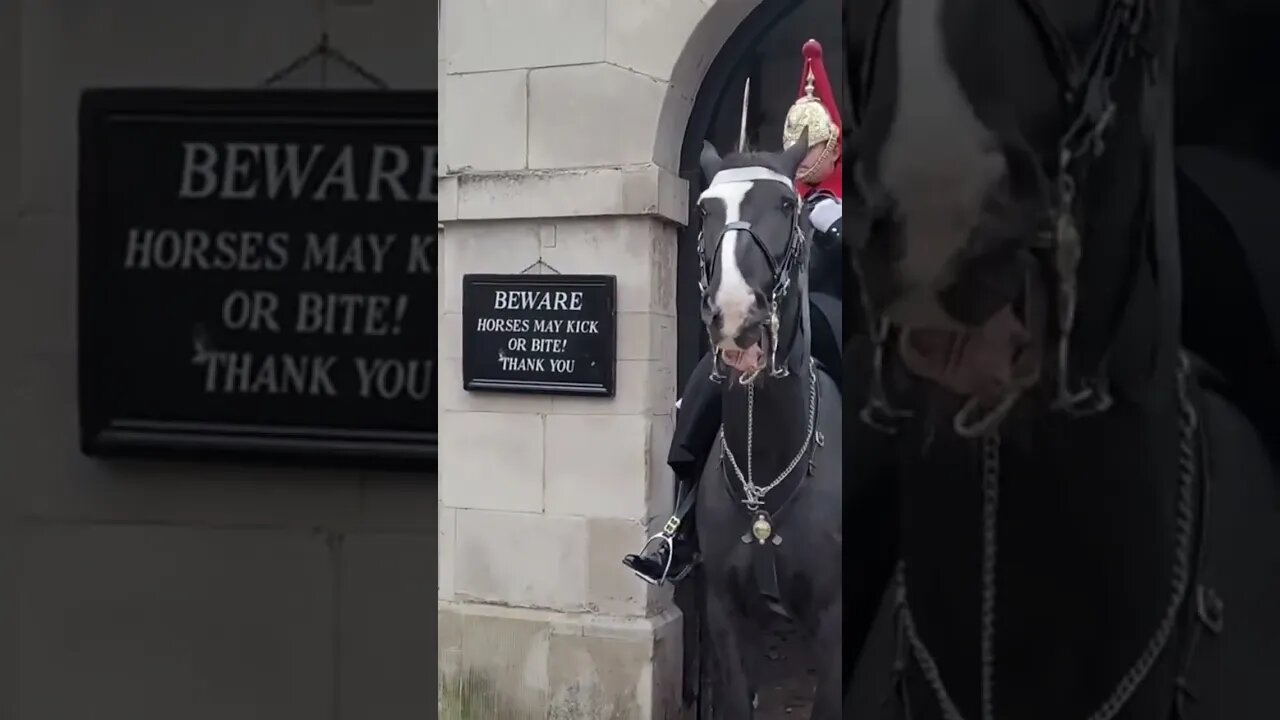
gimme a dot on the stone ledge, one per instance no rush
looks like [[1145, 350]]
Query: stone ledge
[[518, 664], [584, 192]]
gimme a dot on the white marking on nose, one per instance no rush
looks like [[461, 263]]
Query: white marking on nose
[[938, 162], [734, 298]]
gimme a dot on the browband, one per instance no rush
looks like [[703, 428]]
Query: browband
[[750, 174]]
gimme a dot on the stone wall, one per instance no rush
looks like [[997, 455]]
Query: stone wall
[[192, 591]]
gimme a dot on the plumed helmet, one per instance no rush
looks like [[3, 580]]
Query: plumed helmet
[[816, 109]]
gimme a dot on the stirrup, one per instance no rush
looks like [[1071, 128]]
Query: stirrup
[[671, 553]]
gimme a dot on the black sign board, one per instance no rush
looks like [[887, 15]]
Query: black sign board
[[257, 275], [549, 334]]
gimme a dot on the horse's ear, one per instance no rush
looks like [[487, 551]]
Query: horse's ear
[[792, 157], [709, 160]]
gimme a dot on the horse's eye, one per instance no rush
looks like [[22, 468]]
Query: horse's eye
[[788, 204]]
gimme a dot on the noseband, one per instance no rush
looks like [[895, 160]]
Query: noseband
[[780, 269], [1086, 85]]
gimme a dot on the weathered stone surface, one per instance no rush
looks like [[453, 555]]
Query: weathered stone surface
[[490, 247], [488, 131], [388, 637], [634, 249], [484, 36], [612, 588], [583, 192], [522, 559], [596, 465], [128, 622], [389, 38], [491, 461], [649, 36], [446, 551], [514, 664], [592, 115], [453, 398], [68, 45]]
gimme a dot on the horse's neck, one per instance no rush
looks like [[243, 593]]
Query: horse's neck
[[1085, 537], [774, 416]]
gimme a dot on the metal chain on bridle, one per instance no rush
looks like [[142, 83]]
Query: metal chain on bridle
[[753, 495], [1180, 576]]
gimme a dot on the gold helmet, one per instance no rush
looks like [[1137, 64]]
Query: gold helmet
[[815, 110]]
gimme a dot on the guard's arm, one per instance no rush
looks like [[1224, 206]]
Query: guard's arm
[[826, 214]]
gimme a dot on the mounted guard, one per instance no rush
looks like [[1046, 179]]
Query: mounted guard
[[815, 115]]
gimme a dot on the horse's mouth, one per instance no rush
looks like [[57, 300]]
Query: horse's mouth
[[748, 361], [988, 361]]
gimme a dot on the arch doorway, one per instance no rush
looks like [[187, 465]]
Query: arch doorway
[[765, 47]]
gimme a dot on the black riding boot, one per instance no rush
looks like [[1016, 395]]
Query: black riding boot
[[672, 553]]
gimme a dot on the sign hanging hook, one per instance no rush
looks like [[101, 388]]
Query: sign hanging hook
[[324, 52]]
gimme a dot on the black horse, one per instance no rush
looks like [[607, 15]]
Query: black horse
[[1088, 528], [768, 514]]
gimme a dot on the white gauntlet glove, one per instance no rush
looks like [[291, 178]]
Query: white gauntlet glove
[[825, 213]]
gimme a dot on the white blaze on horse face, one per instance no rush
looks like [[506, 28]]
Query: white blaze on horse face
[[939, 161], [734, 298]]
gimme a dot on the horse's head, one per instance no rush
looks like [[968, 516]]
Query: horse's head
[[978, 119], [751, 250]]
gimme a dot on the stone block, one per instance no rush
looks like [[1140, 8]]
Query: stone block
[[592, 115], [388, 639], [597, 465], [631, 248], [602, 666], [492, 662], [661, 488], [587, 192], [490, 247], [516, 664], [389, 38], [450, 335], [68, 45], [446, 551], [447, 201], [128, 622], [646, 336], [649, 36], [453, 398], [491, 461], [484, 36], [612, 588], [522, 559], [485, 122]]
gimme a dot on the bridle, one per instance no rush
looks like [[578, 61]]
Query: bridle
[[1126, 30], [1086, 83], [781, 269]]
